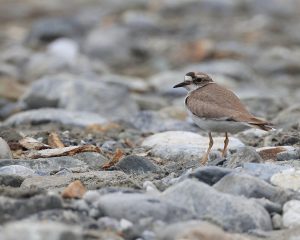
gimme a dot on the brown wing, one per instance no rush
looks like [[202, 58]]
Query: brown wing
[[216, 102]]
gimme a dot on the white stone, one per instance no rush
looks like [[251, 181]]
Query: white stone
[[5, 152], [291, 214], [288, 179], [64, 48], [180, 145]]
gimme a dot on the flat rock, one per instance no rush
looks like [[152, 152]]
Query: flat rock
[[136, 164], [13, 209], [48, 115], [5, 152], [17, 170], [135, 207], [40, 231], [233, 213], [62, 91], [251, 187], [46, 164], [291, 214], [288, 179], [92, 180], [244, 155], [291, 154], [179, 145]]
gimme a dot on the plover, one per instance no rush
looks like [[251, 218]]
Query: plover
[[216, 109]]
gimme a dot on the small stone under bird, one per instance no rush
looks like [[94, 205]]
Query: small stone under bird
[[216, 109]]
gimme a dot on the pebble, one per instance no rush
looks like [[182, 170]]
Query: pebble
[[152, 121], [263, 171], [62, 91], [5, 152], [210, 174], [233, 213], [287, 179], [17, 170], [72, 118], [91, 179], [15, 209], [11, 180], [40, 231], [136, 206], [136, 164], [195, 229], [45, 164], [74, 190], [244, 155], [251, 187], [181, 146], [64, 48], [288, 117], [291, 214]]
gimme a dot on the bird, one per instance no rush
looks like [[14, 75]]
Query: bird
[[215, 108]]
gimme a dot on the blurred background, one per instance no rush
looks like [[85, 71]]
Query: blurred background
[[118, 58]]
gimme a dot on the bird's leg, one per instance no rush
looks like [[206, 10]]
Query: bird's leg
[[226, 141], [205, 157]]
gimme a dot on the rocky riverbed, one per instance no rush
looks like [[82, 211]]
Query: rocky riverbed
[[96, 144]]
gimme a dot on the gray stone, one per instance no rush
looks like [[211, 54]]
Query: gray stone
[[251, 187], [135, 207], [62, 91], [93, 159], [113, 49], [289, 155], [151, 121], [233, 213], [231, 68], [46, 164], [48, 115], [18, 170], [91, 180], [5, 152], [181, 146], [244, 155], [288, 117], [41, 231], [48, 29], [209, 175], [13, 209], [136, 164], [263, 171], [11, 180]]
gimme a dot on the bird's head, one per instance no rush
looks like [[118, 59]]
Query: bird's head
[[193, 80]]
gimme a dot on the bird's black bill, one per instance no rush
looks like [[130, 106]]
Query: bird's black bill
[[182, 84]]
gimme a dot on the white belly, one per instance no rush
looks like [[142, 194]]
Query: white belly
[[219, 125]]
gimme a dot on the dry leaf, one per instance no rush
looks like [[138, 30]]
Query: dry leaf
[[54, 140], [102, 127], [116, 158], [74, 190], [66, 151], [31, 143]]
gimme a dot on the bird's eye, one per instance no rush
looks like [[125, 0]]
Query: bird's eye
[[197, 80]]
